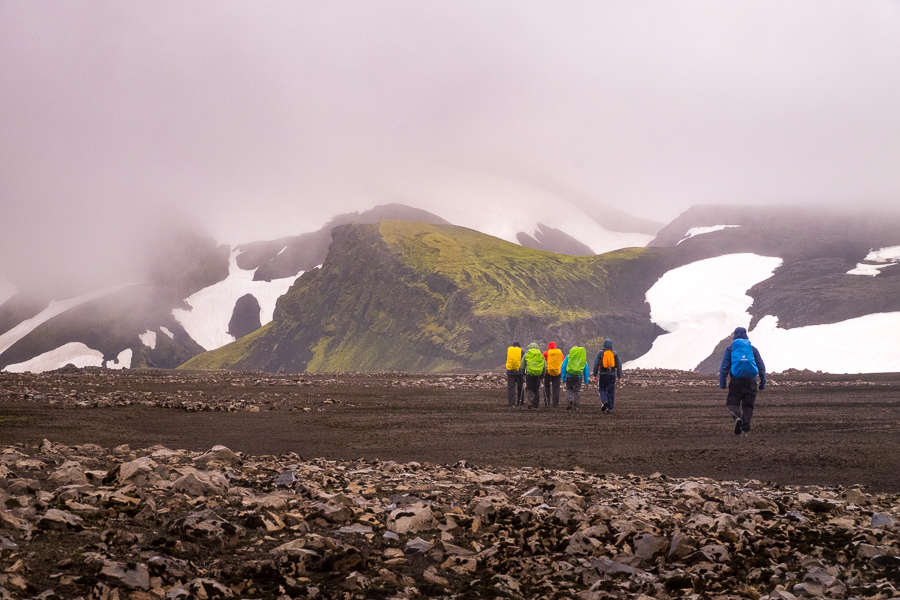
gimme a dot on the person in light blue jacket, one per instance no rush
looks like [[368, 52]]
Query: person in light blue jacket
[[743, 362]]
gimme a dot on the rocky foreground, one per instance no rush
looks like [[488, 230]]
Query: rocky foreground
[[90, 522]]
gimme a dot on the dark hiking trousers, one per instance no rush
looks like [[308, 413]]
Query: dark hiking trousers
[[573, 390], [740, 400], [533, 387], [514, 382], [606, 387], [551, 390]]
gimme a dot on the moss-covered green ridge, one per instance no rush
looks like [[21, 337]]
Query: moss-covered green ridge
[[421, 297], [505, 279]]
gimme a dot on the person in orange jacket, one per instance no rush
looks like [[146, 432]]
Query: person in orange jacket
[[554, 358]]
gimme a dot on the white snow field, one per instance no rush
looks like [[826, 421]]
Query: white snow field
[[53, 309], [213, 306], [148, 338], [699, 304], [861, 345], [75, 353], [166, 331], [695, 231], [877, 260]]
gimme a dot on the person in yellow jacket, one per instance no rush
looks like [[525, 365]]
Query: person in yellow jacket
[[515, 375], [552, 379]]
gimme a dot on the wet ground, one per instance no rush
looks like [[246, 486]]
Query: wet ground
[[808, 428]]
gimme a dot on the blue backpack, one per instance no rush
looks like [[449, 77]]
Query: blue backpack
[[742, 362]]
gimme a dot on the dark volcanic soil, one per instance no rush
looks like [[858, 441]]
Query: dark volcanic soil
[[808, 428]]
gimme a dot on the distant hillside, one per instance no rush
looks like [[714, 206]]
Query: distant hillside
[[419, 297]]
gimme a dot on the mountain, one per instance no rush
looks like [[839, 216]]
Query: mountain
[[196, 295], [805, 282], [836, 285], [422, 297]]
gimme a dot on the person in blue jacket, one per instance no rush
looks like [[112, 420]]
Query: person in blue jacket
[[607, 376], [743, 362]]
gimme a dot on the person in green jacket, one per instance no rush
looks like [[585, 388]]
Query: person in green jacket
[[535, 369], [575, 374]]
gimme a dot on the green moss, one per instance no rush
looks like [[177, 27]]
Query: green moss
[[501, 278], [228, 355]]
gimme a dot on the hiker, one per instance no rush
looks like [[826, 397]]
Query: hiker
[[535, 369], [607, 369], [515, 374], [554, 358], [743, 362], [575, 373]]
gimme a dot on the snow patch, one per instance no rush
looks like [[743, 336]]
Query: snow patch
[[7, 290], [213, 306], [54, 309], [148, 338], [872, 347], [280, 252], [75, 353], [882, 258], [695, 231], [699, 305], [166, 331], [122, 361], [866, 269]]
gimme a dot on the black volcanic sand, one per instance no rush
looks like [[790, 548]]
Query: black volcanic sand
[[808, 428]]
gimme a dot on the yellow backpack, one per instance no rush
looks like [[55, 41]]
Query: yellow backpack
[[554, 361], [513, 358]]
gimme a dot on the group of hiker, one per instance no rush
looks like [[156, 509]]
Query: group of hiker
[[529, 370]]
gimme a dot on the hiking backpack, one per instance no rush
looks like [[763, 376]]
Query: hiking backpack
[[742, 362], [554, 361], [577, 360], [513, 358], [534, 362], [608, 362]]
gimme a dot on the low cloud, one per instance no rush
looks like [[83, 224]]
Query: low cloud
[[258, 121]]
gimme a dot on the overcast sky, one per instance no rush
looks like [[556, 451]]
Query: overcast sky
[[260, 119]]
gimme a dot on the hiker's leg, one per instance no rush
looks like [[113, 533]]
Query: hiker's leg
[[735, 395], [576, 391], [611, 391], [747, 403], [555, 383], [511, 394]]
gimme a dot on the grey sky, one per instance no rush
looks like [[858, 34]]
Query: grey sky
[[262, 119]]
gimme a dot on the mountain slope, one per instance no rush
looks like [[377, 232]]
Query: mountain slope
[[419, 297]]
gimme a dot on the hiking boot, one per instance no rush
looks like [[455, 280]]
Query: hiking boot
[[569, 406], [737, 427], [604, 407]]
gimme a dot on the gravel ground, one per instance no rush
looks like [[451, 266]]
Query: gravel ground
[[809, 429]]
